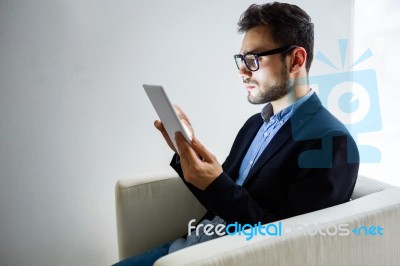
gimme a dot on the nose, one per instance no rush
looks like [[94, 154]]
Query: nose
[[244, 72]]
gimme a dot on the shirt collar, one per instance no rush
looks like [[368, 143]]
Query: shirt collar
[[267, 113]]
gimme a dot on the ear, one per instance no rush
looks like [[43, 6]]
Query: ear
[[299, 56]]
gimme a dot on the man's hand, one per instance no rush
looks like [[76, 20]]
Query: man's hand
[[199, 166], [182, 116]]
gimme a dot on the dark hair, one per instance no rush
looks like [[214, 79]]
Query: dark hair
[[289, 24]]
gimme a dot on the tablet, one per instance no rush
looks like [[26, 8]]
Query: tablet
[[166, 113]]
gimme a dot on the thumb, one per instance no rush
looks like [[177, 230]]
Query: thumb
[[202, 151]]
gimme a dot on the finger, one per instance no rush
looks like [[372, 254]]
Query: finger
[[188, 128], [180, 113], [202, 151], [185, 150], [181, 150], [159, 125]]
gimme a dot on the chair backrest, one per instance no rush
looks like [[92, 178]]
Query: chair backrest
[[152, 210]]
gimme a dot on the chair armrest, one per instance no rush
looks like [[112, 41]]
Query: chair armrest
[[301, 248], [152, 210], [366, 186]]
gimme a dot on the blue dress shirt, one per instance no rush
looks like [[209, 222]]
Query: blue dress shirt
[[272, 124]]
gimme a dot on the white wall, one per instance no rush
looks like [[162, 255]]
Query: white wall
[[74, 118], [377, 27]]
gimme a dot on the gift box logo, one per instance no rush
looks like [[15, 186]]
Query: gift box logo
[[352, 96]]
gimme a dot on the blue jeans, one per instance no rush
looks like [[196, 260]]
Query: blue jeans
[[146, 258]]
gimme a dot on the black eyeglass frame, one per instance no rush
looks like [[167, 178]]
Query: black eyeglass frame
[[279, 50]]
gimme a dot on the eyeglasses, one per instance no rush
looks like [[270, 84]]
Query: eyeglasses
[[251, 59]]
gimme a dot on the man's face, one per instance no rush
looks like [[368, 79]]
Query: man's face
[[271, 81]]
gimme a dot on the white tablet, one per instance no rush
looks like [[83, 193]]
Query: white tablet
[[166, 113]]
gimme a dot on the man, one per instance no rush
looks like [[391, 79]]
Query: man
[[292, 158]]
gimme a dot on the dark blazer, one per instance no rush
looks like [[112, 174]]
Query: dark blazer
[[310, 164]]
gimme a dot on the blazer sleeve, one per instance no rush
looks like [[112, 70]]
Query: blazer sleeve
[[312, 187], [223, 197], [253, 122]]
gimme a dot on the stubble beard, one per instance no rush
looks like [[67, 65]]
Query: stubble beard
[[269, 93]]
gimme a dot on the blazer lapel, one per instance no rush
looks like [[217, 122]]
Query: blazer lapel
[[287, 131], [281, 137], [241, 151]]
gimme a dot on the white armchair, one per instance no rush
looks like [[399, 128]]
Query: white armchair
[[152, 210]]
